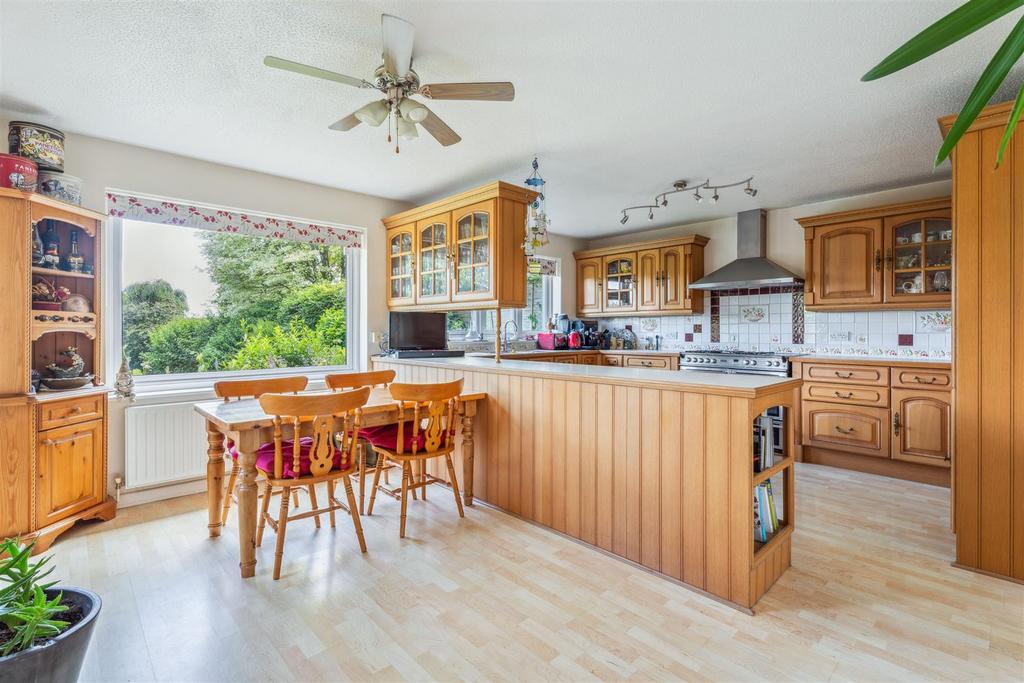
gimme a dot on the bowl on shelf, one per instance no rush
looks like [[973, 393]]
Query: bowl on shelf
[[66, 188], [41, 144], [18, 173], [65, 383]]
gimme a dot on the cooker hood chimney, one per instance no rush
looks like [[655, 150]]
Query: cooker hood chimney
[[751, 268]]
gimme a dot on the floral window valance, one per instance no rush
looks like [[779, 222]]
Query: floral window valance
[[543, 266], [205, 217]]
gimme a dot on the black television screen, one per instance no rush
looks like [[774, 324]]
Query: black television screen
[[417, 331]]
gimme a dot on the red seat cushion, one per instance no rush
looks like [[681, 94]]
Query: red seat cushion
[[265, 458], [386, 436]]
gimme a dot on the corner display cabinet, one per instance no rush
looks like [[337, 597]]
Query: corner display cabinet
[[462, 252], [53, 442]]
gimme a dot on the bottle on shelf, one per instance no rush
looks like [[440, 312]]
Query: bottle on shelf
[[75, 260], [37, 247], [51, 247]]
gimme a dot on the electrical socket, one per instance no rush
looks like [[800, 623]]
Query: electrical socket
[[839, 336]]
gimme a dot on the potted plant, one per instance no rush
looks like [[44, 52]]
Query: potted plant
[[48, 296], [44, 631]]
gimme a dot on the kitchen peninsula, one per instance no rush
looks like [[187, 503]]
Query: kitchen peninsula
[[654, 466]]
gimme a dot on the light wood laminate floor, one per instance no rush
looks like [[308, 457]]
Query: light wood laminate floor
[[870, 597]]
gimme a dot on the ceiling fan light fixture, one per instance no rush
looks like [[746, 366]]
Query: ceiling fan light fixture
[[406, 129], [412, 110], [374, 113]]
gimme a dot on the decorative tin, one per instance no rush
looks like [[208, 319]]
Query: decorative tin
[[67, 188], [41, 144], [17, 172]]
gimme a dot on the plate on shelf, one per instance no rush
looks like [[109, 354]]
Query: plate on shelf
[[55, 384]]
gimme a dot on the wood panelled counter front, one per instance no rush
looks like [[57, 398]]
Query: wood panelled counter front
[[639, 463]]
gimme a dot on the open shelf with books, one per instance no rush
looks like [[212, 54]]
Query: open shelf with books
[[772, 477]]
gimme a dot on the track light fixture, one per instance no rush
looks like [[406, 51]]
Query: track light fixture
[[661, 200]]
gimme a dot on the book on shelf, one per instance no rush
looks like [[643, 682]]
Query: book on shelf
[[764, 444], [766, 518]]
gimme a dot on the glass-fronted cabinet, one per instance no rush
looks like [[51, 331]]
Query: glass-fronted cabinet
[[400, 266], [474, 253], [919, 257], [433, 256], [620, 282]]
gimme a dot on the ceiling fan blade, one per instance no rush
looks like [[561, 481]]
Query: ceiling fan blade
[[502, 92], [306, 70], [439, 129], [347, 123], [397, 36]]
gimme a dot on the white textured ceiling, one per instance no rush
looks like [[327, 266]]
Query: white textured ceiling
[[618, 98]]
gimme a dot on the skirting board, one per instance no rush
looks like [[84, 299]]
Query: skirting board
[[909, 471]]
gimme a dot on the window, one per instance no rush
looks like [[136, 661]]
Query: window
[[201, 301], [543, 290]]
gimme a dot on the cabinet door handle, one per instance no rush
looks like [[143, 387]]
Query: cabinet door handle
[[847, 395], [922, 380], [844, 431], [841, 375], [878, 260], [896, 424], [646, 363], [888, 258], [75, 410]]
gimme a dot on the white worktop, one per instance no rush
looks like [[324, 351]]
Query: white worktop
[[638, 376]]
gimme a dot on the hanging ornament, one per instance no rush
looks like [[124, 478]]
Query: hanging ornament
[[537, 221]]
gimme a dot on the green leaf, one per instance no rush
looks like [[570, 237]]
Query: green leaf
[[1018, 108], [993, 76], [949, 29]]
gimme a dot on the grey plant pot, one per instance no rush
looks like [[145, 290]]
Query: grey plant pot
[[59, 659]]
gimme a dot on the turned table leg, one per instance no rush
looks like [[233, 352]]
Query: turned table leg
[[467, 452], [247, 443], [214, 478]]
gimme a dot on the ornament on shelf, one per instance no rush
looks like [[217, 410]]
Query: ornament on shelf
[[537, 222], [124, 381]]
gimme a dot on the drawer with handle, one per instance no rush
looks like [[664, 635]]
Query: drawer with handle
[[846, 393], [915, 378], [847, 374], [655, 362], [855, 429], [611, 360], [59, 413]]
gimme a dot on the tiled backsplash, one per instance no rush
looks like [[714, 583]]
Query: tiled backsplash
[[775, 320]]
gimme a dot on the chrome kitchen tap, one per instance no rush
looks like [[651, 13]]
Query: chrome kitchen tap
[[506, 340]]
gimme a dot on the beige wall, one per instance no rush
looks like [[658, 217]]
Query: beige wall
[[102, 164], [785, 236]]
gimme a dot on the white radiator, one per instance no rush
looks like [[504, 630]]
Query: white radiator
[[163, 444]]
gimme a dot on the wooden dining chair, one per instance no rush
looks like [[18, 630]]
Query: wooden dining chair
[[239, 389], [326, 456], [427, 420], [354, 380]]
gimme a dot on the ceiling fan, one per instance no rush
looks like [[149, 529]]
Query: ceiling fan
[[398, 83]]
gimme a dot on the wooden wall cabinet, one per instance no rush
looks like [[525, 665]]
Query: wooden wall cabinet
[[460, 253], [988, 338], [897, 256], [649, 277], [898, 414], [54, 444]]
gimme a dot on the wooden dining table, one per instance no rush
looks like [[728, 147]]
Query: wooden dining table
[[245, 423]]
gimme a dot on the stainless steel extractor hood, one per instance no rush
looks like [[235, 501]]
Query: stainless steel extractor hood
[[751, 268]]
